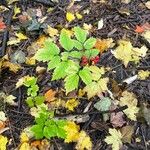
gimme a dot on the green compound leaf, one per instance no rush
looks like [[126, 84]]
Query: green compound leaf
[[49, 131], [65, 41], [91, 53], [55, 61], [85, 75], [89, 43], [38, 131], [39, 100], [80, 34], [30, 81], [78, 45], [59, 71], [53, 48], [46, 54], [30, 101], [71, 82], [75, 54]]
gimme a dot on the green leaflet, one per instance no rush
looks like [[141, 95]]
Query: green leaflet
[[89, 43], [85, 75], [48, 127], [78, 45], [80, 34], [75, 54], [54, 62], [46, 54], [52, 47], [59, 71], [91, 53], [65, 41], [71, 82]]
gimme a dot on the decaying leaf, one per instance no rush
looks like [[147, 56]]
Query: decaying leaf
[[146, 35], [103, 45], [50, 95], [72, 104], [84, 142], [51, 31], [95, 88], [147, 4], [130, 100], [21, 81], [2, 116], [115, 139], [126, 52], [117, 119], [127, 132], [10, 100], [12, 66]]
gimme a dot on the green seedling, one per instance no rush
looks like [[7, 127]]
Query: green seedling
[[48, 127], [68, 63]]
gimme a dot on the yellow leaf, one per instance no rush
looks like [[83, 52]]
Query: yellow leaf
[[24, 137], [3, 142], [11, 1], [129, 100], [30, 61], [126, 52], [84, 142], [25, 146], [79, 16], [81, 93], [87, 26], [12, 67], [16, 11], [96, 87], [72, 132], [72, 104], [142, 75], [70, 16], [13, 41], [68, 32], [21, 36], [103, 45], [40, 41], [10, 100], [114, 139], [52, 31]]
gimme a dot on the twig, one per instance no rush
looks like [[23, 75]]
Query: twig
[[45, 2], [6, 34], [94, 112]]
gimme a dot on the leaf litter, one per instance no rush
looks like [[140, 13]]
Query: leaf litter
[[113, 87]]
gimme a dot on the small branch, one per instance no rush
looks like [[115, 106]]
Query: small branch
[[6, 34], [93, 112], [45, 2]]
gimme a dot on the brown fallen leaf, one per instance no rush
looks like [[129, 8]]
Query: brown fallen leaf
[[50, 95], [127, 132], [117, 119]]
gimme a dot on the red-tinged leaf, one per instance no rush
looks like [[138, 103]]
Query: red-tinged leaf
[[2, 25], [139, 29]]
